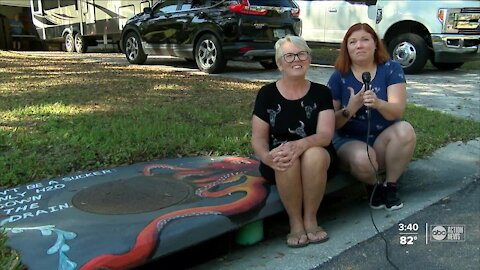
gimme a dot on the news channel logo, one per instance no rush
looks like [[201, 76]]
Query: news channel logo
[[447, 233]]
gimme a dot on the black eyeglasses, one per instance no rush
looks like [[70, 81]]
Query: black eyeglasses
[[290, 57]]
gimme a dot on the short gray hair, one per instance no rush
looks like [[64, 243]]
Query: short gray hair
[[296, 40]]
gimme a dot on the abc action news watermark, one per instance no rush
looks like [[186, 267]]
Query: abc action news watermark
[[446, 233], [409, 233]]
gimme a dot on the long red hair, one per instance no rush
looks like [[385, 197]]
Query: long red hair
[[343, 62]]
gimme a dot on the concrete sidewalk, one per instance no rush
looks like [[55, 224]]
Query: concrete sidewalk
[[346, 217], [460, 208], [425, 182]]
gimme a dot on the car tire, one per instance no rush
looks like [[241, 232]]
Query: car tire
[[133, 49], [209, 55], [446, 66], [80, 44], [69, 43], [269, 64], [410, 51]]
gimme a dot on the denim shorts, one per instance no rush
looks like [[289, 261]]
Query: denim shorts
[[338, 141]]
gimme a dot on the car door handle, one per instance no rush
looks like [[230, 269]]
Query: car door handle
[[332, 10]]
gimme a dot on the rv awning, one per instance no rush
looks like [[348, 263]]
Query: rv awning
[[15, 3]]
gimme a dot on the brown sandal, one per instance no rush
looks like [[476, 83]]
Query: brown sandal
[[297, 237], [314, 231]]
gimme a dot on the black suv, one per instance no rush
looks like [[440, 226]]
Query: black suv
[[211, 32]]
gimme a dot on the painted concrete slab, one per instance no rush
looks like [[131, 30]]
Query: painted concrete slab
[[123, 217]]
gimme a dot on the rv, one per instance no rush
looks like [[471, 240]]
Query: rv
[[82, 23]]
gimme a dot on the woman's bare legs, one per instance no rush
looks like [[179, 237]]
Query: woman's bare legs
[[392, 151], [315, 162], [394, 148], [302, 187], [354, 158]]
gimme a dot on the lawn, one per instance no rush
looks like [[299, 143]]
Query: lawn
[[64, 116]]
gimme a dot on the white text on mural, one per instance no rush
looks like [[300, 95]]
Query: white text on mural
[[26, 202]]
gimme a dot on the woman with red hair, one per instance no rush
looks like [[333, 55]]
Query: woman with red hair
[[370, 134]]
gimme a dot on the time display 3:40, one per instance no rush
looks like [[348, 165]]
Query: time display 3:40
[[409, 227]]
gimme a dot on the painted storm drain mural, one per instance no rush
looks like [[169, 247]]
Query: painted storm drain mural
[[121, 218]]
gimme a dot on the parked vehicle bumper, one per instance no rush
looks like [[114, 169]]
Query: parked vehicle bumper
[[455, 48], [250, 51]]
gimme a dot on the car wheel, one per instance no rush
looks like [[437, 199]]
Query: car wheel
[[69, 43], [80, 43], [133, 49], [209, 55], [446, 66], [269, 64], [410, 51]]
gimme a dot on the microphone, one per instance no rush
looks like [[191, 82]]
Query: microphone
[[366, 81]]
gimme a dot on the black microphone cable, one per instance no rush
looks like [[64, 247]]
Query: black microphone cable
[[366, 80]]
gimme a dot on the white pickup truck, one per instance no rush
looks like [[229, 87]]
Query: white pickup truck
[[445, 32]]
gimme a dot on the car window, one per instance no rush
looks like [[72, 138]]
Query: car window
[[186, 5], [271, 3], [166, 6]]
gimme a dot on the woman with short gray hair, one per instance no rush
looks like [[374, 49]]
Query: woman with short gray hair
[[292, 127]]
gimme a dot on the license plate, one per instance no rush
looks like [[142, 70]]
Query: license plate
[[279, 33]]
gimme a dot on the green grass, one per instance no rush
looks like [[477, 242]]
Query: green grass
[[435, 129], [9, 259], [64, 116]]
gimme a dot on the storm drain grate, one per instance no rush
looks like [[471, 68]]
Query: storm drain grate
[[132, 196]]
